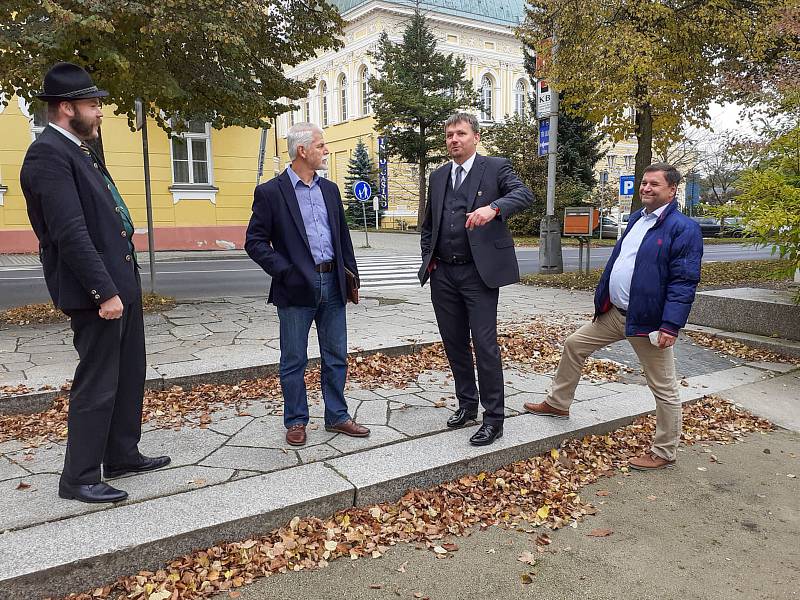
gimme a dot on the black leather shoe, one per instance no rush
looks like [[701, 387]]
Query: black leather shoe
[[486, 435], [461, 417], [146, 463], [95, 493]]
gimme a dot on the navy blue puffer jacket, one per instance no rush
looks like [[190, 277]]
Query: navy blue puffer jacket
[[665, 275]]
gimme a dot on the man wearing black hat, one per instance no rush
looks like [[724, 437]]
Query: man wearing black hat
[[85, 245]]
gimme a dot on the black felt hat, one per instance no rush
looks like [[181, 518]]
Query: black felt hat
[[65, 81]]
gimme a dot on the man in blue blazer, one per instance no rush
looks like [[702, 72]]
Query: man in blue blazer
[[299, 236], [468, 254], [85, 245], [645, 295]]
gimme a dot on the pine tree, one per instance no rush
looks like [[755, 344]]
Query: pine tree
[[360, 168], [416, 90]]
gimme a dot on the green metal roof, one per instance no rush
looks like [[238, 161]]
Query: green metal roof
[[508, 12]]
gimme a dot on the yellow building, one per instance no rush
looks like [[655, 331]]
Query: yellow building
[[202, 181]]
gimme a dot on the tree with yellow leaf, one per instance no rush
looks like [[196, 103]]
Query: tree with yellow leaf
[[665, 59]]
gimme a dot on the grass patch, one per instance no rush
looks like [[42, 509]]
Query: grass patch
[[719, 274], [32, 314], [568, 242]]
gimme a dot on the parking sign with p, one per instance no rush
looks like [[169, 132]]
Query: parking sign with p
[[626, 185]]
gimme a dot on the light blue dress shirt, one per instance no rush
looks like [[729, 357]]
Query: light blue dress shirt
[[619, 284], [315, 216]]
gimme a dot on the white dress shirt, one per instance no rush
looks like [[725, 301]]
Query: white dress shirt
[[69, 135], [466, 165], [619, 285]]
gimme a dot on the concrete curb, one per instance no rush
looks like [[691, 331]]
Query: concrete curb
[[39, 401], [69, 555], [771, 344]]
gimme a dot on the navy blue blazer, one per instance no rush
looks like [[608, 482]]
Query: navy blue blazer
[[277, 241], [83, 245], [491, 179]]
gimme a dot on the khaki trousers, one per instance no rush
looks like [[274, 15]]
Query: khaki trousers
[[659, 370]]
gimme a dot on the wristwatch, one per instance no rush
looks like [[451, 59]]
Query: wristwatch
[[495, 207]]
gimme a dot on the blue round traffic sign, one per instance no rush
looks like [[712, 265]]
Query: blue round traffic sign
[[362, 191]]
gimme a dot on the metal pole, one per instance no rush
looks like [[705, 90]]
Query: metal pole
[[588, 254], [580, 255], [550, 257], [149, 203], [366, 233]]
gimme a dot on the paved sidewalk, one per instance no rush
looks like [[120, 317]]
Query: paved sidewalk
[[236, 337], [235, 476]]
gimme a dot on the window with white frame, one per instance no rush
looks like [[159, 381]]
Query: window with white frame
[[487, 97], [628, 162], [343, 97], [191, 152], [612, 160], [366, 105], [520, 98], [323, 103], [307, 110]]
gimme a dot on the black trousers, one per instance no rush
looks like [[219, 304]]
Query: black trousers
[[105, 403], [465, 308]]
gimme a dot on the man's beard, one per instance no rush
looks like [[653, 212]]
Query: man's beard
[[82, 126]]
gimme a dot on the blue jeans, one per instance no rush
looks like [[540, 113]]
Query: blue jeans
[[329, 316]]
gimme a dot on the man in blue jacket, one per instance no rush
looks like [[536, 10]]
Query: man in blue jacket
[[299, 236], [644, 295]]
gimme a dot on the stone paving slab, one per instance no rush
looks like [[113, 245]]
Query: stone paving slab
[[73, 544], [235, 338]]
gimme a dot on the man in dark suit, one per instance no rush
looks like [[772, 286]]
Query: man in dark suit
[[85, 246], [299, 236], [468, 253]]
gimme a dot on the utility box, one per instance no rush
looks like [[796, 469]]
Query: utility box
[[580, 221]]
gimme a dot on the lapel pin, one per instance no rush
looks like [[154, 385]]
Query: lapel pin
[[480, 193]]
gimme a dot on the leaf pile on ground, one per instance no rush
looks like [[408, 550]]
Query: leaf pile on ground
[[713, 275], [31, 314], [740, 350], [535, 345], [543, 491]]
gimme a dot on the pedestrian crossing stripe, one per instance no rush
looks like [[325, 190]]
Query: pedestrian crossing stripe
[[388, 271]]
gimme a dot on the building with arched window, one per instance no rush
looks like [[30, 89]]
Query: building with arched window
[[521, 98], [343, 96], [323, 104], [363, 91]]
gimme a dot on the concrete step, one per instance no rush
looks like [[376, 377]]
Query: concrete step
[[772, 344], [762, 312], [71, 554]]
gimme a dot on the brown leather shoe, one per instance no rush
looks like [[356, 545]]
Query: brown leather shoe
[[296, 435], [650, 462], [544, 409], [350, 428]]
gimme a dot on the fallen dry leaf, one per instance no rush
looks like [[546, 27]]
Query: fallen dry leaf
[[23, 486], [600, 532], [424, 517], [528, 558], [602, 493]]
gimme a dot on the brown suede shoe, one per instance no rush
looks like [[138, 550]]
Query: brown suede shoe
[[350, 428], [296, 435], [650, 462], [544, 409]]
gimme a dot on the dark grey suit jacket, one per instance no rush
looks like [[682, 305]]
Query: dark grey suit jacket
[[83, 245], [491, 180]]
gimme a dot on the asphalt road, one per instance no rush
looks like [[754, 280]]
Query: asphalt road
[[212, 278]]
